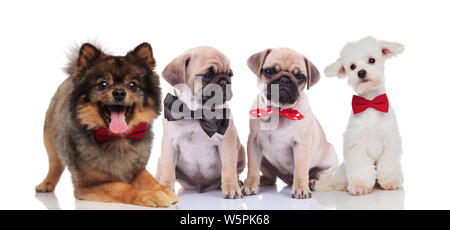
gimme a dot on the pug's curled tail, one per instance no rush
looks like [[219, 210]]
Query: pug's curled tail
[[338, 181]]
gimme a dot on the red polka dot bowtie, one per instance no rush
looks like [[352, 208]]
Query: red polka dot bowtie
[[288, 113]]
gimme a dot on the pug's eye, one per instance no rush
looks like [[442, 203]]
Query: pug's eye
[[103, 85], [132, 85], [207, 76], [353, 67], [371, 60], [269, 72], [300, 78]]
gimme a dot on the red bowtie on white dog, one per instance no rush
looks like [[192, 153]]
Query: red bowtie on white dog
[[372, 144]]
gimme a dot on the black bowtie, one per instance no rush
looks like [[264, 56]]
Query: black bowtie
[[211, 120]]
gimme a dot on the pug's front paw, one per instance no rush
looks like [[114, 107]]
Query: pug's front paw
[[231, 191], [300, 192], [251, 187]]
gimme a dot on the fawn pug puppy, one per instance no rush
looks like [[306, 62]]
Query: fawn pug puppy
[[293, 146], [201, 151], [99, 125]]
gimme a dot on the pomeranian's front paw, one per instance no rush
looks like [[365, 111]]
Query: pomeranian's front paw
[[231, 191], [168, 185], [300, 192], [154, 199], [251, 187], [45, 187], [173, 197], [359, 189]]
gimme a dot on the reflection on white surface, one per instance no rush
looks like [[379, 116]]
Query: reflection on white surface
[[269, 198], [378, 199], [50, 201], [89, 205]]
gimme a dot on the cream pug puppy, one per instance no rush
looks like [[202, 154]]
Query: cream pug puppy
[[285, 140], [200, 151]]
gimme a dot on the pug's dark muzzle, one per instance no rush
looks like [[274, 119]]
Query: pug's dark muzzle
[[221, 83], [287, 89]]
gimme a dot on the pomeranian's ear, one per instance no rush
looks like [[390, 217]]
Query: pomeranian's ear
[[256, 61], [175, 72], [391, 49], [88, 54], [143, 54], [336, 69]]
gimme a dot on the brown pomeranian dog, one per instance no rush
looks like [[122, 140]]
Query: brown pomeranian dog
[[99, 126]]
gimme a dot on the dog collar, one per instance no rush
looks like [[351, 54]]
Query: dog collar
[[360, 104], [209, 125], [288, 113], [137, 133]]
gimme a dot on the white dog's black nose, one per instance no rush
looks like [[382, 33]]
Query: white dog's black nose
[[362, 73]]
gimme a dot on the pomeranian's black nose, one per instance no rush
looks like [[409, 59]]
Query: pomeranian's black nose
[[362, 73], [119, 94]]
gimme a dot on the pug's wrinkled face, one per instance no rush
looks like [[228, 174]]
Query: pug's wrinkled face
[[282, 75], [202, 76]]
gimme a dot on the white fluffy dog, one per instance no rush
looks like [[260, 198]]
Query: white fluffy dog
[[372, 144]]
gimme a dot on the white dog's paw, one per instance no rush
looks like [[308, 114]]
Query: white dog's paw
[[359, 189], [251, 187], [390, 180], [299, 192], [231, 191], [391, 184]]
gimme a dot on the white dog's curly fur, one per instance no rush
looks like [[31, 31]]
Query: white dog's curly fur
[[372, 143]]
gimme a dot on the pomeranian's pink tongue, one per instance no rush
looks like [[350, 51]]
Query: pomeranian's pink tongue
[[118, 123]]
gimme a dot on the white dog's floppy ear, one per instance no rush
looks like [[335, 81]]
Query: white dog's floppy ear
[[391, 49], [313, 73], [335, 69], [175, 72], [256, 61]]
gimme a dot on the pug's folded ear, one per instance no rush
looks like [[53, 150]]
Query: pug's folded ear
[[313, 73], [175, 72], [335, 69], [256, 61]]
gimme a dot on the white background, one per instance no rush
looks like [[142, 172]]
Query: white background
[[35, 35]]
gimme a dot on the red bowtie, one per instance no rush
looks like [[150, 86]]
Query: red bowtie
[[137, 133], [379, 103], [288, 113]]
